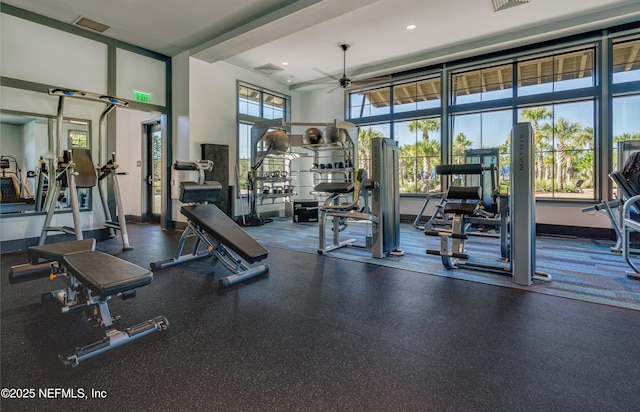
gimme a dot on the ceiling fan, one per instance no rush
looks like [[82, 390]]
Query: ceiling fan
[[347, 82]]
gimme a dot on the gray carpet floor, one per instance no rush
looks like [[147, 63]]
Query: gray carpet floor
[[581, 269]]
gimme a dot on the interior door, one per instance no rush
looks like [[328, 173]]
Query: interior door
[[154, 169]]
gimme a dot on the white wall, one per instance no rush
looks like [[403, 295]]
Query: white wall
[[140, 73], [11, 142], [40, 54], [212, 111]]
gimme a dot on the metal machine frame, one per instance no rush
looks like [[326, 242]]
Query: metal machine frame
[[385, 205], [520, 264], [64, 171], [614, 208]]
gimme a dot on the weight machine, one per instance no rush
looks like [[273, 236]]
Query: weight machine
[[614, 208], [462, 204], [12, 183], [384, 215], [64, 174]]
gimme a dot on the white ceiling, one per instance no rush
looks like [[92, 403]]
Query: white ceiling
[[307, 33]]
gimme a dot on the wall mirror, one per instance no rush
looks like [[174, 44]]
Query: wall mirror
[[26, 156]]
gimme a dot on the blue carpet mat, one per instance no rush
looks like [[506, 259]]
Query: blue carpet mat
[[581, 269]]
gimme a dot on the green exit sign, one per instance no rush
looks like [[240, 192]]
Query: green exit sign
[[142, 96]]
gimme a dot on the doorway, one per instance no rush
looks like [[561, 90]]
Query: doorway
[[152, 159]]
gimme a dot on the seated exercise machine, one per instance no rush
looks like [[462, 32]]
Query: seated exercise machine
[[221, 237], [463, 206], [491, 203], [384, 215], [91, 279], [517, 233]]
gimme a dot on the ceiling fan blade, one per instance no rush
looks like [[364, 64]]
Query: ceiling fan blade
[[371, 80], [333, 89], [358, 71], [334, 77], [314, 83]]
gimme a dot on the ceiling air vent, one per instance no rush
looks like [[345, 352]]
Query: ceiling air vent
[[268, 69], [505, 4], [90, 24]]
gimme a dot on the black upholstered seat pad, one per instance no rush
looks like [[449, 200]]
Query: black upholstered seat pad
[[460, 208], [55, 251], [213, 221], [335, 187], [105, 274]]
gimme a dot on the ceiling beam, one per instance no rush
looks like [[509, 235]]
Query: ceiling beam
[[287, 20]]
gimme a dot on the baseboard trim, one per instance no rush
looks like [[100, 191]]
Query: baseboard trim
[[19, 245]]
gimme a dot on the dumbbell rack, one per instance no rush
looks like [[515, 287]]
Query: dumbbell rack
[[274, 180], [332, 162]]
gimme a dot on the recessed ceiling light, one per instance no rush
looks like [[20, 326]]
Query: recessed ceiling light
[[411, 27], [285, 63]]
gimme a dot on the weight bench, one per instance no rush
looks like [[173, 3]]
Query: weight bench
[[223, 239], [92, 278]]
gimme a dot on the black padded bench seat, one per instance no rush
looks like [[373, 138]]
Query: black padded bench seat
[[192, 192], [104, 274], [335, 187], [460, 208], [56, 251], [221, 227], [465, 192]]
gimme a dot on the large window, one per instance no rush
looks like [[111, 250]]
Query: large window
[[626, 100], [255, 104], [365, 135], [419, 153], [488, 130], [483, 84], [564, 149], [558, 90], [260, 103], [626, 61], [557, 72], [410, 115]]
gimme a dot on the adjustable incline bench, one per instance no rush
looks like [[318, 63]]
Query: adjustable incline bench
[[223, 239], [92, 278]]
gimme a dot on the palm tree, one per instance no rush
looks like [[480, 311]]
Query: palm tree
[[364, 146], [460, 144], [535, 115], [427, 150], [563, 132], [626, 136], [576, 146]]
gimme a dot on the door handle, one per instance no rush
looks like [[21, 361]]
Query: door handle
[[149, 179]]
